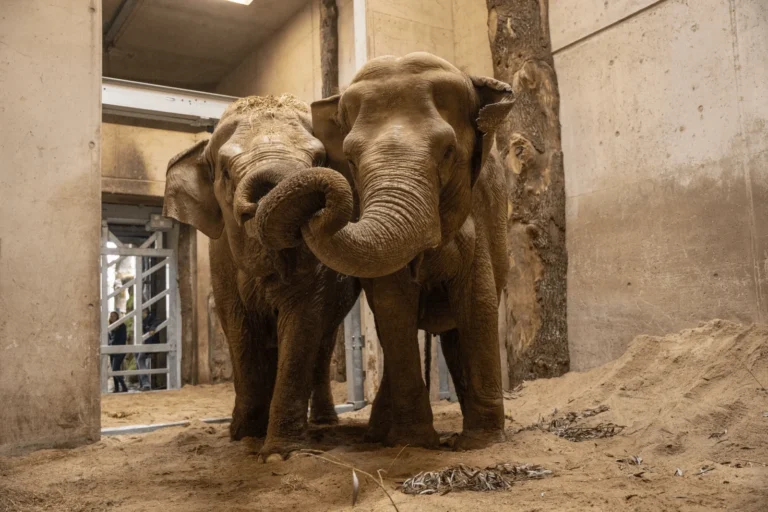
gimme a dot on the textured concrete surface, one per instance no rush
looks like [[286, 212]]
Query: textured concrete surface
[[666, 160], [50, 76], [135, 155], [287, 61], [398, 27], [471, 50], [190, 44]]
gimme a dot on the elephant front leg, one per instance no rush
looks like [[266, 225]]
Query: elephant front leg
[[479, 378], [299, 335], [253, 352], [402, 404], [322, 409]]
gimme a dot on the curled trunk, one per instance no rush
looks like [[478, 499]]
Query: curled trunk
[[397, 223]]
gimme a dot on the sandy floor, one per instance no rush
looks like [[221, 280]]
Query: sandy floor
[[671, 393], [188, 403]]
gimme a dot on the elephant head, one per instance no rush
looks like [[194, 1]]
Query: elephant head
[[412, 135], [215, 185]]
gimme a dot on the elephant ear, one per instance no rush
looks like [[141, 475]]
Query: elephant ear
[[189, 196], [327, 128], [495, 100]]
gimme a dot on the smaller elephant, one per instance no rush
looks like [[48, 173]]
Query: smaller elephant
[[280, 310]]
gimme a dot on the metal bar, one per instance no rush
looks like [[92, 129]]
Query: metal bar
[[122, 320], [357, 343], [216, 420], [348, 335], [104, 362], [444, 392], [130, 282], [136, 349], [138, 296], [173, 332], [128, 373], [149, 241], [113, 238], [136, 99], [135, 251], [141, 429], [112, 30], [154, 299], [116, 261], [157, 329]]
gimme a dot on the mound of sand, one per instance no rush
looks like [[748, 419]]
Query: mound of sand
[[690, 400]]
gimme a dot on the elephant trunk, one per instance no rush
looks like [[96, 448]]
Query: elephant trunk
[[399, 219]]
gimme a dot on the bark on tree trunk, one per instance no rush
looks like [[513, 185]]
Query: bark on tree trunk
[[530, 145], [329, 47], [329, 66]]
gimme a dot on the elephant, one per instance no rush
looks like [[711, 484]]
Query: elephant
[[415, 138], [280, 310]]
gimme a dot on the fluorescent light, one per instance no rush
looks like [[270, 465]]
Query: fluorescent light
[[244, 2]]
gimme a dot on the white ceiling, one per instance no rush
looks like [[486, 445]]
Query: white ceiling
[[188, 43]]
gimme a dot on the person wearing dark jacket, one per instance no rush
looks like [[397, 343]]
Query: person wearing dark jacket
[[148, 325], [117, 336]]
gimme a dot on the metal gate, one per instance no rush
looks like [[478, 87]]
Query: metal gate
[[146, 288]]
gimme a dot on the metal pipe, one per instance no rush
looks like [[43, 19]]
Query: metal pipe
[[354, 341], [443, 374]]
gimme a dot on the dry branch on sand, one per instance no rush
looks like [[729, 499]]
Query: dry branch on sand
[[467, 478]]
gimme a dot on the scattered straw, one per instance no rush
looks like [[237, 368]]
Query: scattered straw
[[291, 482], [467, 478], [264, 103]]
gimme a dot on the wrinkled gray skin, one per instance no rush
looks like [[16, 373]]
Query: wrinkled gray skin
[[279, 310], [415, 137]]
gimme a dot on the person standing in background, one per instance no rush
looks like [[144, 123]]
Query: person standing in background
[[117, 336]]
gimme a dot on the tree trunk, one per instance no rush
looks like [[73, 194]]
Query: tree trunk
[[329, 47], [529, 142]]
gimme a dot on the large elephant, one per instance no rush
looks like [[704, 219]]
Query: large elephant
[[415, 137], [279, 309]]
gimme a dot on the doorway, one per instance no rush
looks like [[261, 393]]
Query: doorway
[[140, 311]]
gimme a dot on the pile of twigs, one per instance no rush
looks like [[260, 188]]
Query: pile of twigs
[[467, 478], [565, 426]]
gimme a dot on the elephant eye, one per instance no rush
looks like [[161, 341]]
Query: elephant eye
[[225, 172], [352, 166], [449, 153]]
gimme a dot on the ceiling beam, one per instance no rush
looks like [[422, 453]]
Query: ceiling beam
[[112, 29], [149, 101]]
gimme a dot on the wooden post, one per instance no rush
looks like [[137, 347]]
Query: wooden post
[[329, 47], [529, 142]]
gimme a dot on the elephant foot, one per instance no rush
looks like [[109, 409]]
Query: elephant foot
[[477, 439], [280, 450], [248, 425], [376, 433], [423, 436], [323, 416]]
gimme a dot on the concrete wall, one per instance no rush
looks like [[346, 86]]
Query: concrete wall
[[288, 62], [135, 155], [398, 27], [664, 109], [471, 50], [50, 75]]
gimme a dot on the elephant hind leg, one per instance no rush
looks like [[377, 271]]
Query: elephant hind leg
[[449, 342], [322, 410]]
